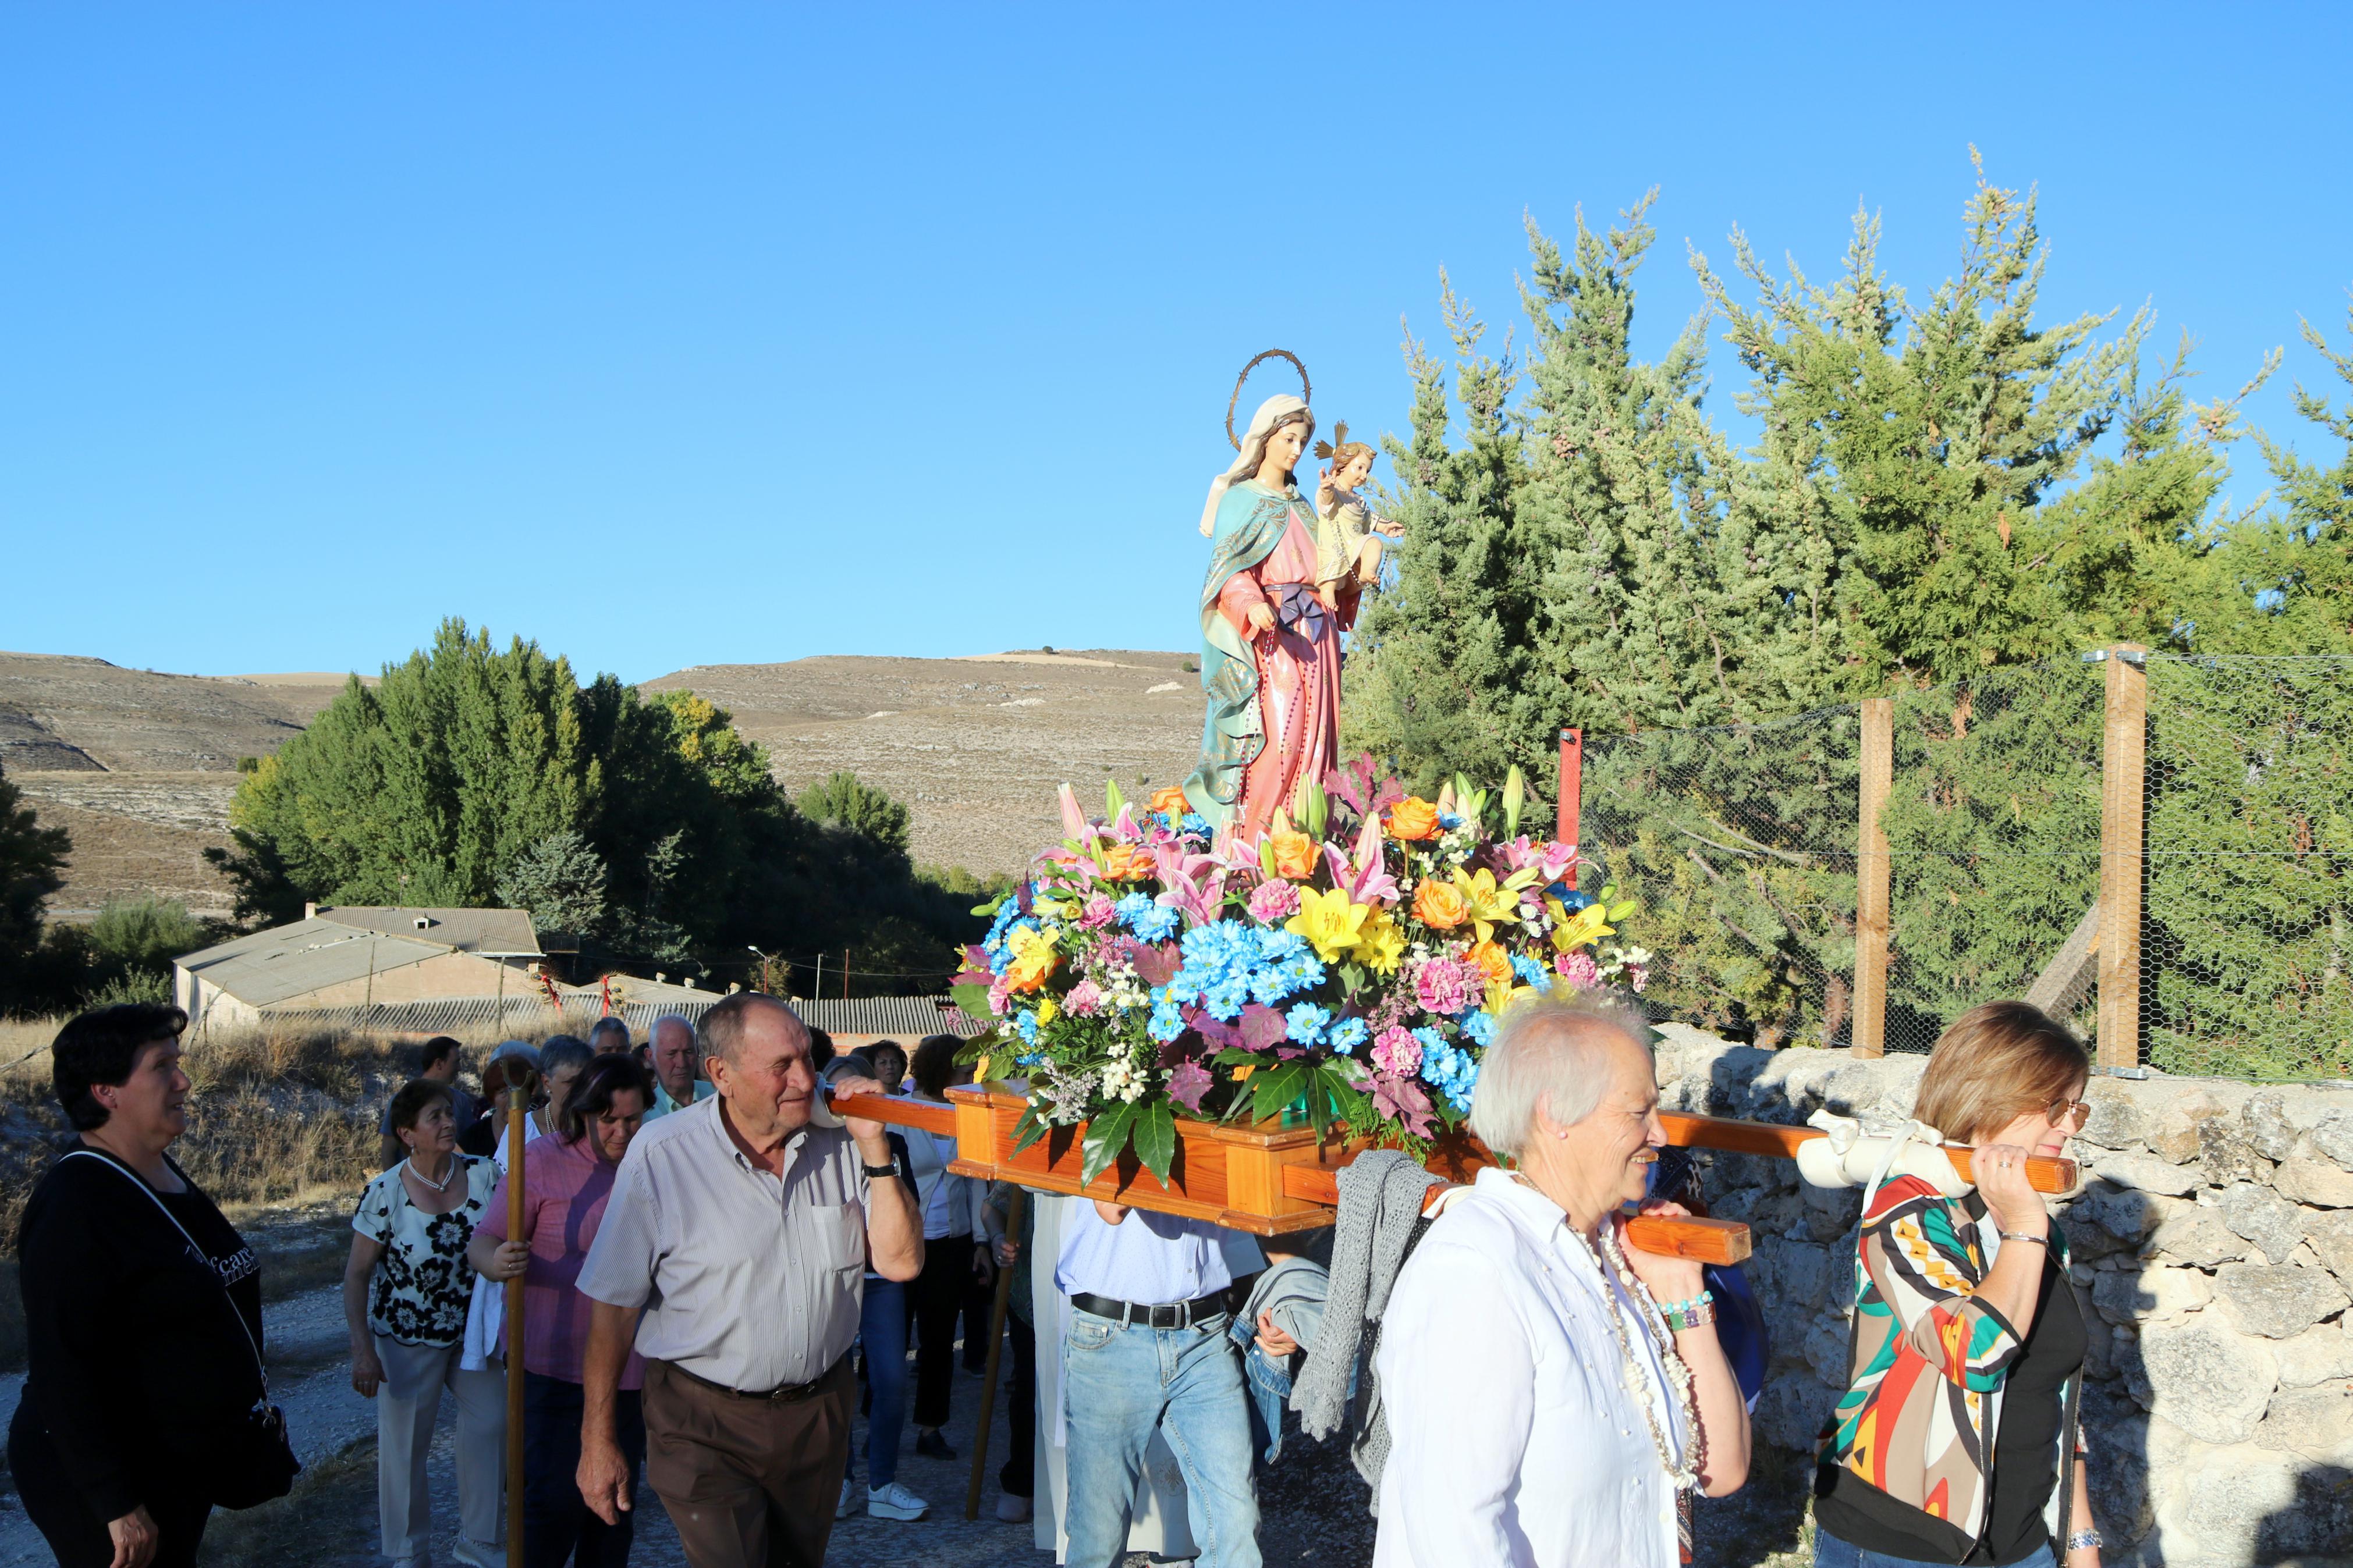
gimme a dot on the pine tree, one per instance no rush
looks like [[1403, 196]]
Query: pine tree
[[32, 867], [842, 804]]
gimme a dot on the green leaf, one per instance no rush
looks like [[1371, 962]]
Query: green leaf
[[1236, 1056], [1156, 1137], [1106, 1140], [1352, 979], [972, 997], [1028, 1130], [1273, 1088]]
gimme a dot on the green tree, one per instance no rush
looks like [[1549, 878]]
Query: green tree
[[841, 802], [561, 881], [32, 867]]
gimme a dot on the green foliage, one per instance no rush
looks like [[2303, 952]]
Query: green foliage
[[472, 774], [147, 933], [841, 803], [1947, 501], [31, 868], [561, 881]]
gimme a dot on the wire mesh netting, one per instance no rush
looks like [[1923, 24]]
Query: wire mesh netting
[[1740, 845], [2247, 946]]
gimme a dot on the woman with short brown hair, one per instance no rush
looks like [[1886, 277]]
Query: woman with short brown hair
[[1969, 1345]]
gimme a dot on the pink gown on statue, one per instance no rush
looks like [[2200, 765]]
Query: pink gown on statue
[[1299, 674]]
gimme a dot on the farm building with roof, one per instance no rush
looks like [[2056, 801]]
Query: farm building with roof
[[357, 957]]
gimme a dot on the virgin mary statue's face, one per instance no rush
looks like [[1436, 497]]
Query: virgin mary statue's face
[[1282, 448]]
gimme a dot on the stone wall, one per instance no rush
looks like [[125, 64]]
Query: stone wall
[[2214, 1241]]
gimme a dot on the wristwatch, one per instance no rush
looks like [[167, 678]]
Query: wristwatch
[[879, 1172]]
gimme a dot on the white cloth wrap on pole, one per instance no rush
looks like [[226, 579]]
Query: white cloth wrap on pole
[[1846, 1157]]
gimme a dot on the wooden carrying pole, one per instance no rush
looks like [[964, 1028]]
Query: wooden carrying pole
[[1871, 879], [997, 1309], [1572, 794], [518, 1098], [2124, 747]]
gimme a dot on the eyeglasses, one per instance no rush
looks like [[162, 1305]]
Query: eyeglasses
[[2069, 1112]]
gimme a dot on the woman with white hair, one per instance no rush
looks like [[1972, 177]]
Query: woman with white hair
[[1552, 1394]]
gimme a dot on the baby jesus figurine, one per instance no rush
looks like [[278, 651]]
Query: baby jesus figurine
[[1347, 534]]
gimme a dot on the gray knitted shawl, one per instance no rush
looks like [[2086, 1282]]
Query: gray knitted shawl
[[1381, 1195]]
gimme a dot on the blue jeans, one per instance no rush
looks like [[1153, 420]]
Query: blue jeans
[[882, 1337], [1830, 1552], [1120, 1384], [557, 1526]]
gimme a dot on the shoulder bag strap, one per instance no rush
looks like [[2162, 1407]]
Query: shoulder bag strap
[[162, 1209]]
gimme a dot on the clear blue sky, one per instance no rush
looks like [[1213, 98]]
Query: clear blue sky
[[684, 334]]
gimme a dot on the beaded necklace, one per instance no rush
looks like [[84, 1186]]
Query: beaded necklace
[[1684, 1477]]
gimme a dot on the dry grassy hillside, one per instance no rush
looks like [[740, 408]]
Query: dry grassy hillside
[[140, 767], [974, 746]]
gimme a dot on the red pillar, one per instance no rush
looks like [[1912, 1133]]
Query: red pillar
[[1572, 784]]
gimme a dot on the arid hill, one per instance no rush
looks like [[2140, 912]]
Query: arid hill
[[140, 766]]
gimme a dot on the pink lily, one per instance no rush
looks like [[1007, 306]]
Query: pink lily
[[1366, 878]]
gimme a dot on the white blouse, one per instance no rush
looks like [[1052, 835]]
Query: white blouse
[[1513, 1437]]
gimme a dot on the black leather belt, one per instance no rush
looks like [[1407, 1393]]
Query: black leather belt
[[783, 1393], [1175, 1315]]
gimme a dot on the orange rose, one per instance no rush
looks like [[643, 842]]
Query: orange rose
[[1493, 961], [1170, 802], [1439, 905], [1126, 863], [1294, 856], [1413, 819]]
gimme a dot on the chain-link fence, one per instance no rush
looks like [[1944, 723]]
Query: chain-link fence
[[1742, 846], [2246, 945]]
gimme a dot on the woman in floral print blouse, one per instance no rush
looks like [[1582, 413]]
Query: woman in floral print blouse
[[406, 1291]]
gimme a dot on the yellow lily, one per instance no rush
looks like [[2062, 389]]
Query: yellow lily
[[1033, 958], [1486, 902], [1381, 944], [1329, 921], [1571, 932]]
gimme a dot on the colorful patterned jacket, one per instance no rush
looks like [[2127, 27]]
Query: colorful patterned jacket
[[1923, 1385]]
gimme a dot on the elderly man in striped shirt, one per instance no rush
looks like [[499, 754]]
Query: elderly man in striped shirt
[[733, 1254]]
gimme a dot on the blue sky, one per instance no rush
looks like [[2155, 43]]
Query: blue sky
[[674, 335]]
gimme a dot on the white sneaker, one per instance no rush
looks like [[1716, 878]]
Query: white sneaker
[[474, 1554], [895, 1502], [848, 1503], [1011, 1510]]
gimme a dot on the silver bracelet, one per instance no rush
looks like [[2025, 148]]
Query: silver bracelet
[[2084, 1538]]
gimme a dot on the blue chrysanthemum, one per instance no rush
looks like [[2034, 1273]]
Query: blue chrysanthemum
[[1479, 1025], [1167, 1022], [1194, 823], [1026, 1025], [1157, 922], [1224, 1000], [1530, 972], [1346, 1035], [1306, 1022]]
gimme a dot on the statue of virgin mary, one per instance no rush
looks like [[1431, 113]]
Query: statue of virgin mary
[[1269, 648]]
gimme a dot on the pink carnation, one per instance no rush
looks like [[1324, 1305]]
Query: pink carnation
[[1579, 969], [1000, 997], [1272, 902], [1446, 987], [1098, 913], [1085, 999], [1397, 1052]]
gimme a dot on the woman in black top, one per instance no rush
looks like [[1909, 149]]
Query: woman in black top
[[139, 1362]]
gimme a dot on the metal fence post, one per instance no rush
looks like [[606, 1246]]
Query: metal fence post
[[1572, 791], [2124, 756], [1869, 1034]]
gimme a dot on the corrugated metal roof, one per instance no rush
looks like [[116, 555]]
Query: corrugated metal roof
[[494, 933], [910, 1016], [289, 961]]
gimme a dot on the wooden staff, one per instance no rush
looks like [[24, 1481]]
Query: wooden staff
[[2044, 1173], [518, 1105], [997, 1311]]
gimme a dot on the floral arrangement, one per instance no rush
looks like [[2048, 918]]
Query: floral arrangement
[[1347, 967]]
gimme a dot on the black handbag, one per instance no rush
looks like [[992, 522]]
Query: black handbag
[[249, 1461]]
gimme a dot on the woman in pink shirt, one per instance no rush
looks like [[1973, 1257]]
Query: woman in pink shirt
[[567, 1179]]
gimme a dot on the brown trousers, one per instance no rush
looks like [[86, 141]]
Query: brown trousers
[[749, 1483]]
